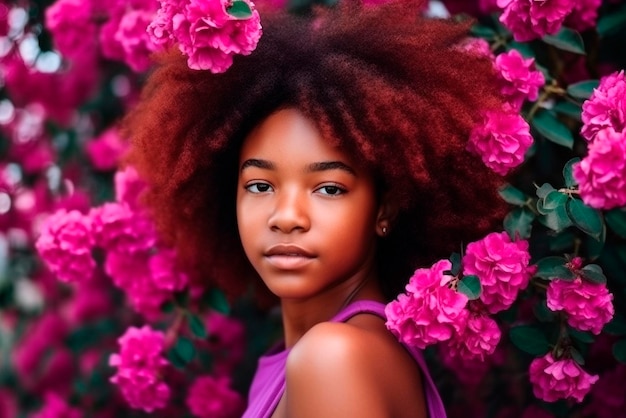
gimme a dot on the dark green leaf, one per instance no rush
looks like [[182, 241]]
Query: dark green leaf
[[196, 325], [239, 9], [585, 218], [182, 298], [185, 350], [594, 247], [530, 340], [567, 40], [168, 307], [612, 22], [217, 301], [544, 190], [616, 219], [553, 200], [557, 220], [518, 223], [562, 242], [542, 313], [567, 172], [619, 351], [524, 48], [550, 268], [583, 337], [513, 195], [482, 31], [593, 272], [570, 109], [470, 287], [455, 260], [576, 356], [582, 89], [617, 326], [175, 359], [552, 129]]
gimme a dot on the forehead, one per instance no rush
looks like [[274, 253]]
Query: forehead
[[288, 135]]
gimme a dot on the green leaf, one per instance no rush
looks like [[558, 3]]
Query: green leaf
[[185, 350], [617, 326], [553, 200], [542, 313], [196, 325], [570, 109], [455, 260], [612, 22], [217, 301], [619, 351], [239, 9], [552, 129], [544, 190], [518, 223], [616, 219], [530, 340], [168, 307], [470, 287], [567, 172], [567, 40], [550, 268], [562, 242], [576, 356], [557, 220], [583, 337], [482, 31], [593, 273], [523, 48], [585, 218], [513, 195], [582, 89], [595, 247]]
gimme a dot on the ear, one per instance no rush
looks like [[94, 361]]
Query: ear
[[387, 213]]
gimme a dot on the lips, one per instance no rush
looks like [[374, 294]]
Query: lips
[[288, 256]]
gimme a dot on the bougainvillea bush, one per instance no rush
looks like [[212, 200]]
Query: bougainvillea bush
[[97, 319]]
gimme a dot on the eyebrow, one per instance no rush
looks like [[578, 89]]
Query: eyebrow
[[312, 168]]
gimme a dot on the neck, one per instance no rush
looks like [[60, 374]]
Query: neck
[[301, 315]]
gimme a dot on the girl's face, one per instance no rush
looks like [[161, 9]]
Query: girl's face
[[307, 214]]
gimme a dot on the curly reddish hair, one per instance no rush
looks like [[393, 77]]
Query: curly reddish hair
[[382, 83]]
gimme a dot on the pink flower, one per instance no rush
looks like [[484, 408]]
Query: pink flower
[[477, 340], [601, 175], [55, 407], [519, 80], [584, 16], [502, 267], [559, 379], [65, 245], [477, 46], [72, 26], [589, 306], [140, 366], [501, 140], [105, 151], [8, 404], [606, 108], [431, 311], [128, 187], [531, 19], [468, 373], [119, 228], [227, 343], [212, 397], [205, 32], [165, 273], [135, 41]]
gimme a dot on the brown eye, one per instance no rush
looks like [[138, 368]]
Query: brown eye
[[331, 190], [258, 187]]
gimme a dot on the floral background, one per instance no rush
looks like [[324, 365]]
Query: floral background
[[98, 320]]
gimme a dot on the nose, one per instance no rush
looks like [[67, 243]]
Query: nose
[[290, 212]]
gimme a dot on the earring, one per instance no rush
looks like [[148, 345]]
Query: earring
[[384, 231]]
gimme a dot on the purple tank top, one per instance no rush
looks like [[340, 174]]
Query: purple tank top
[[269, 381]]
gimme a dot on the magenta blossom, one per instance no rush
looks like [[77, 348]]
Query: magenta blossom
[[119, 228], [134, 40], [532, 19], [105, 151], [502, 267], [519, 79], [205, 32], [477, 46], [212, 397], [140, 366], [55, 407], [601, 175], [166, 274], [72, 26], [559, 379], [65, 245], [501, 140], [227, 343], [606, 108], [430, 311], [589, 306], [477, 340], [128, 187], [584, 16]]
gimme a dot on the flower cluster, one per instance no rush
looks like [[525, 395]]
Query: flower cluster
[[530, 19], [140, 366], [502, 266], [55, 406], [589, 306], [501, 140], [601, 174], [519, 80], [211, 397], [478, 338], [555, 379], [208, 32]]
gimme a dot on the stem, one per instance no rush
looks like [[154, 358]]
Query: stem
[[174, 329]]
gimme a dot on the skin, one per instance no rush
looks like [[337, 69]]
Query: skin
[[309, 221]]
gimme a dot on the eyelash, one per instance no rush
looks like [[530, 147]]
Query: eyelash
[[337, 189]]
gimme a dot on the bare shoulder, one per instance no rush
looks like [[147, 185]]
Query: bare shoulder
[[352, 369]]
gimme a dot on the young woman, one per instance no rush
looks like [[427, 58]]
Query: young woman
[[324, 167]]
